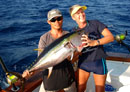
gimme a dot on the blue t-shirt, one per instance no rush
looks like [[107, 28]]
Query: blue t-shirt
[[94, 29]]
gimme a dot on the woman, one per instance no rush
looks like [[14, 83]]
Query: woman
[[93, 55]]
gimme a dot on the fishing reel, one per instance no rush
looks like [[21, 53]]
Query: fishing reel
[[10, 76], [121, 37], [12, 79]]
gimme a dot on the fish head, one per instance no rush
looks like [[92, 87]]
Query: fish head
[[75, 38]]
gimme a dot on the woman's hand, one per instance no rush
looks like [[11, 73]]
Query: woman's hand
[[87, 42]]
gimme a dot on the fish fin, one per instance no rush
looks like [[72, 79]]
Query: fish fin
[[50, 71], [72, 55], [38, 49]]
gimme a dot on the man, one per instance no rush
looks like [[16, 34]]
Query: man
[[62, 76], [93, 55]]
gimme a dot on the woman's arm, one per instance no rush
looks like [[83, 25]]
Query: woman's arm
[[107, 38]]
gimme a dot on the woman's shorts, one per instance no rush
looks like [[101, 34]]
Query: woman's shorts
[[97, 66]]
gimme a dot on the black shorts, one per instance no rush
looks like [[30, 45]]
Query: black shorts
[[97, 67]]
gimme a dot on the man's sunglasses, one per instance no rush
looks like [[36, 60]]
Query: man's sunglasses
[[58, 19]]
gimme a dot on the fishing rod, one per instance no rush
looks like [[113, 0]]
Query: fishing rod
[[120, 38], [12, 77]]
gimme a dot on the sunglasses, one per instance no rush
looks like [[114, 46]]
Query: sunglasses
[[58, 19]]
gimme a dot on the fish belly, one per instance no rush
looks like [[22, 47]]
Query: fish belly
[[54, 58]]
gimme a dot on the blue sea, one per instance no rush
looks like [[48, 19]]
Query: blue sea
[[22, 22]]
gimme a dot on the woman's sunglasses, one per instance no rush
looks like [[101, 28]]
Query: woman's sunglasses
[[58, 19]]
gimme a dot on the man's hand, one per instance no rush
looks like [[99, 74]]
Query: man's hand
[[26, 74]]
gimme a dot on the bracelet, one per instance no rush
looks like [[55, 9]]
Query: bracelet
[[98, 42]]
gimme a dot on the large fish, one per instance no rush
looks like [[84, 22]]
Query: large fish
[[53, 54], [58, 50]]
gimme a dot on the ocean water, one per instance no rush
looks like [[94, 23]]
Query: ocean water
[[22, 22]]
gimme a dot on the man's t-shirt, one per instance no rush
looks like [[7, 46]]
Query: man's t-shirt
[[62, 74]]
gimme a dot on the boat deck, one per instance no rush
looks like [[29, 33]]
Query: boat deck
[[34, 81]]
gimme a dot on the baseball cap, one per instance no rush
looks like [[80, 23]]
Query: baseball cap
[[53, 13], [75, 8]]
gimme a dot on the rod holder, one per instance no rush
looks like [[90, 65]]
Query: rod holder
[[14, 88]]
